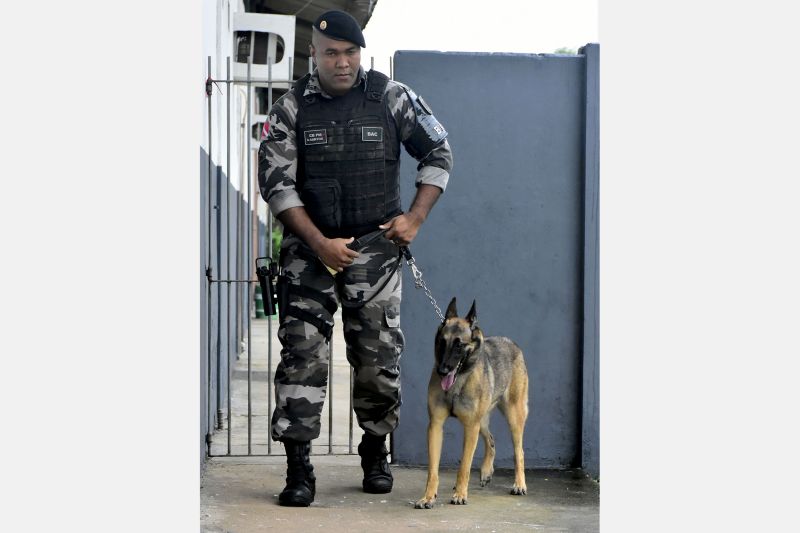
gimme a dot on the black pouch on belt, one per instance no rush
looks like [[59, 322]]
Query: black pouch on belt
[[282, 287], [322, 202], [266, 272]]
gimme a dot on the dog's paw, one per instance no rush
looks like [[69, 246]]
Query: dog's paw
[[459, 499], [486, 479], [425, 503], [519, 490]]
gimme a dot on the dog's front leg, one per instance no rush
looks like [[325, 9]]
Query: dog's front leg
[[435, 428], [471, 433]]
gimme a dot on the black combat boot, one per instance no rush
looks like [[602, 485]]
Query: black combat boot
[[300, 480], [377, 477]]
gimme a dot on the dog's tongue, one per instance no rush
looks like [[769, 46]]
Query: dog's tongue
[[448, 380]]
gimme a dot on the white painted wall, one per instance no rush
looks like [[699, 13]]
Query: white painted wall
[[218, 43], [221, 18]]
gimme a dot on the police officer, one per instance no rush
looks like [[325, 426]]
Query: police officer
[[329, 170]]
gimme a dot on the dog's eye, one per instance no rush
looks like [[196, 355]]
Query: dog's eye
[[458, 346]]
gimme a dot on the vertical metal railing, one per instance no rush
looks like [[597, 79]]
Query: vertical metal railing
[[248, 155], [218, 272], [269, 253], [228, 239], [209, 421], [240, 238]]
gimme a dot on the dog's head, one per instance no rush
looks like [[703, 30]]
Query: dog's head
[[457, 343]]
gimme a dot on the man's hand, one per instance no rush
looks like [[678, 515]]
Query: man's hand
[[402, 228], [335, 253]]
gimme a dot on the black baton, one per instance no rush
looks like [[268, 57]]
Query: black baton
[[366, 239]]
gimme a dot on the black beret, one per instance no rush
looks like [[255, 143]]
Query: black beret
[[340, 26]]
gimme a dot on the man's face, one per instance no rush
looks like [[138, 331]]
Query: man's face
[[337, 63]]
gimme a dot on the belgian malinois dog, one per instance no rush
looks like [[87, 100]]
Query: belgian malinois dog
[[471, 376]]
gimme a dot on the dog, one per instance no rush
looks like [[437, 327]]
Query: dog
[[471, 376]]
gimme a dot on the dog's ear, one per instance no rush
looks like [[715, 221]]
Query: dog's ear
[[472, 316], [477, 339], [451, 309]]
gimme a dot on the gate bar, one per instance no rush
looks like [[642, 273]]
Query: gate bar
[[217, 206], [267, 314], [228, 246], [249, 241], [350, 436], [237, 257], [243, 81], [330, 396], [208, 266]]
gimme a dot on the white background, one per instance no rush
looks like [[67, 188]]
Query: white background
[[699, 289], [538, 26]]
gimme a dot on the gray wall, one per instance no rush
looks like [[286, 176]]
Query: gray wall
[[223, 315], [509, 233], [590, 415]]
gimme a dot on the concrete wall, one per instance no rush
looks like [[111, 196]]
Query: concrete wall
[[224, 327], [590, 414], [509, 233], [226, 205]]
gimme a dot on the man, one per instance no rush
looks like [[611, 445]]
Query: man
[[329, 169]]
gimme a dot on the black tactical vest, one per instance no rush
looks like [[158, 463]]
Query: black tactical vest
[[349, 158]]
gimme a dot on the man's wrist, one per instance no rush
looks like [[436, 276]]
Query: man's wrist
[[417, 216], [317, 243]]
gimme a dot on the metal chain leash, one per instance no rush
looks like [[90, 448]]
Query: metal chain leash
[[419, 282]]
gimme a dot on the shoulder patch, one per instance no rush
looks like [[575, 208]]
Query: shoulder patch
[[424, 105]]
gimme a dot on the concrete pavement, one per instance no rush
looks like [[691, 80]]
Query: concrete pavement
[[239, 492], [240, 495]]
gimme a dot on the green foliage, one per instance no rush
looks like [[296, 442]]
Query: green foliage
[[277, 237], [566, 51]]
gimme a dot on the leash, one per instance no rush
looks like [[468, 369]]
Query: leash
[[266, 274], [405, 253], [418, 281]]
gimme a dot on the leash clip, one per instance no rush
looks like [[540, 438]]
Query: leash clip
[[418, 283]]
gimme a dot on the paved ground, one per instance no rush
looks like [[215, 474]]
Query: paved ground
[[239, 495]]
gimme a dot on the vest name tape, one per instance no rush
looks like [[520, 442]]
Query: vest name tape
[[371, 134], [316, 136]]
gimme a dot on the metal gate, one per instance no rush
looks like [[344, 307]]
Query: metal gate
[[241, 353]]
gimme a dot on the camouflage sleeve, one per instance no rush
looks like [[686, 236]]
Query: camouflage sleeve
[[434, 168], [277, 156]]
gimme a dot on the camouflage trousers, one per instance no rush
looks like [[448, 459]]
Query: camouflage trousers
[[371, 331]]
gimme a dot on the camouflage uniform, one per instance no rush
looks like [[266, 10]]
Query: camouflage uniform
[[372, 330]]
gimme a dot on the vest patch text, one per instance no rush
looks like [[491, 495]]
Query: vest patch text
[[316, 137], [372, 133]]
